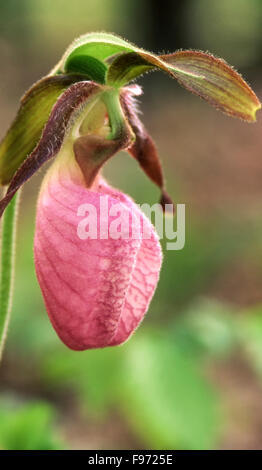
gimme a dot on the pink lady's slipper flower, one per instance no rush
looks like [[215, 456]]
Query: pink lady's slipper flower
[[96, 290], [97, 256]]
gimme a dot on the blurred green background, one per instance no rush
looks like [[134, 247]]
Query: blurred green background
[[191, 377]]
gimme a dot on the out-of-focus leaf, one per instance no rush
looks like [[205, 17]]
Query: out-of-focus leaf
[[215, 81], [27, 427], [165, 398], [93, 374], [202, 259], [207, 328], [26, 129], [250, 334]]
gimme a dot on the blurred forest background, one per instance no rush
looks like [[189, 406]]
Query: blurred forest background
[[191, 377]]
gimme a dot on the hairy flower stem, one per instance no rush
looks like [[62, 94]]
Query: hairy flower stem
[[116, 116], [7, 265]]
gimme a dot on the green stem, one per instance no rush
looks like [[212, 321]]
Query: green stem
[[116, 116], [7, 265]]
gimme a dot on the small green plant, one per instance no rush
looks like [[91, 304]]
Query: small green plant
[[27, 426]]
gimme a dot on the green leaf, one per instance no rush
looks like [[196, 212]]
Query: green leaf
[[93, 375], [127, 67], [203, 74], [215, 81], [165, 398], [94, 69], [130, 65], [26, 129], [97, 45]]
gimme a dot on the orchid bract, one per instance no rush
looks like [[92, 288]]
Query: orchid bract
[[97, 288]]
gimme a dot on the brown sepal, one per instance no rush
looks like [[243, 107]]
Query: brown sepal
[[144, 149], [53, 135]]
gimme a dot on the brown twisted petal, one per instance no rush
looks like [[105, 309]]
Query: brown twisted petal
[[32, 116], [144, 149], [53, 135]]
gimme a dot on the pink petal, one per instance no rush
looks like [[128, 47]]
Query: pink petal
[[96, 291]]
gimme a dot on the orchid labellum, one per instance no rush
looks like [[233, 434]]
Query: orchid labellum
[[97, 288]]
